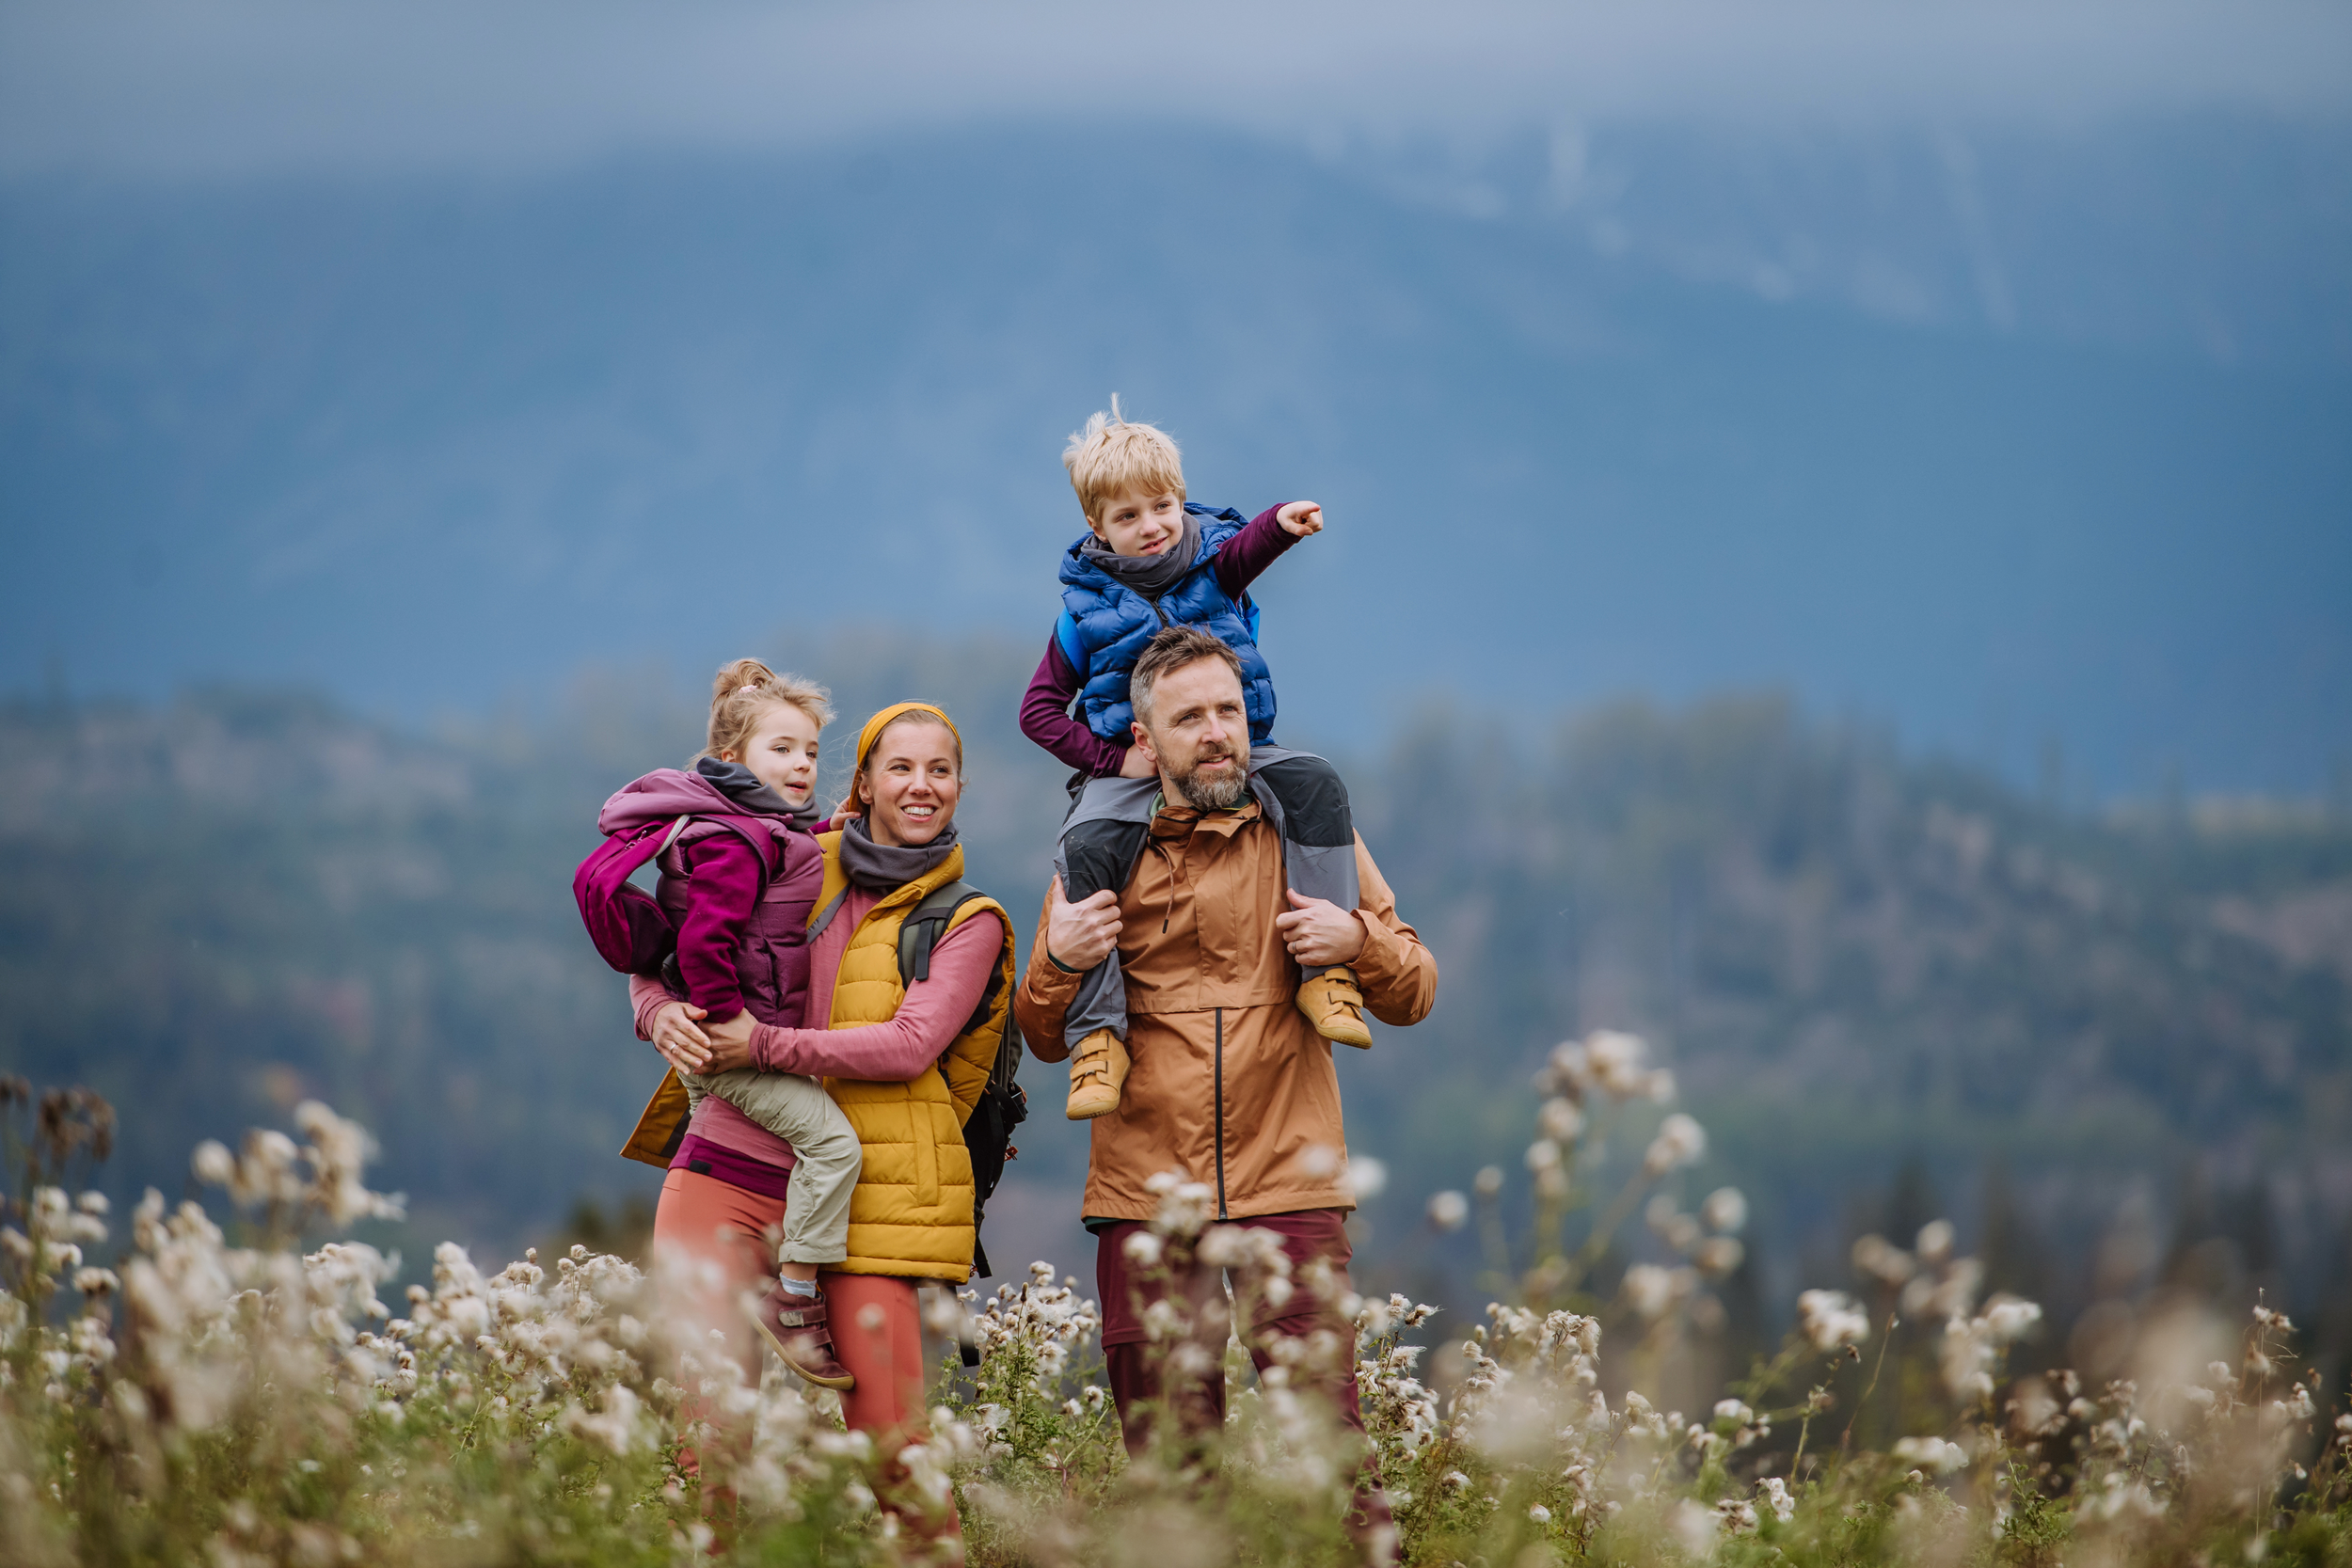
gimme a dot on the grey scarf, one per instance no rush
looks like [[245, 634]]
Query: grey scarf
[[739, 784], [886, 867], [1148, 575]]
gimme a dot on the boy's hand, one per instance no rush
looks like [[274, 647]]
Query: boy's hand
[[1136, 766], [1300, 519]]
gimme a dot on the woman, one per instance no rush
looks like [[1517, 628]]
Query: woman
[[906, 1062]]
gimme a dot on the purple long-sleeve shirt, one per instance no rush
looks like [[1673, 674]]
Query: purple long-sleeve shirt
[[1045, 706], [727, 874]]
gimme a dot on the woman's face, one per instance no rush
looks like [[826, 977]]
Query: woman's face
[[911, 783]]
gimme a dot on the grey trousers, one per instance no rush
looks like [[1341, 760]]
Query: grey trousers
[[1109, 819], [826, 1158]]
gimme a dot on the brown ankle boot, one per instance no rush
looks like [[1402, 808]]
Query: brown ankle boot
[[1335, 1007], [797, 1327], [1096, 1073]]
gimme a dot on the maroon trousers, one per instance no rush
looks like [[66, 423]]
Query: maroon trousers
[[1146, 1378]]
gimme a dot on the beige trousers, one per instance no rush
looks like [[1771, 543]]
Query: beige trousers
[[826, 1157]]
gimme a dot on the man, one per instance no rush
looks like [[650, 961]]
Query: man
[[1229, 1081]]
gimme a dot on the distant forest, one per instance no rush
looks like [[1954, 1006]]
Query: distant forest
[[2114, 1044]]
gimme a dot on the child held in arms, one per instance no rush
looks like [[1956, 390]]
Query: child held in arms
[[740, 872], [1152, 559]]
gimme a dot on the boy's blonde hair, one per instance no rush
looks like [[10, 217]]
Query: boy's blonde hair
[[1111, 456], [741, 693]]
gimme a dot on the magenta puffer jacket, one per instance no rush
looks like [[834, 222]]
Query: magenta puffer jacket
[[739, 887]]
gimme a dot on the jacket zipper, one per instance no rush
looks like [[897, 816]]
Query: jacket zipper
[[1220, 1114]]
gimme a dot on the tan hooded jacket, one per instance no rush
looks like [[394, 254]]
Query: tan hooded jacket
[[1230, 1084]]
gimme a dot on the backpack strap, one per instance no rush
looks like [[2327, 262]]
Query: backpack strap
[[924, 924], [758, 834], [920, 932], [824, 916]]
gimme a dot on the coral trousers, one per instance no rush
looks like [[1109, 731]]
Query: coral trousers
[[877, 1321]]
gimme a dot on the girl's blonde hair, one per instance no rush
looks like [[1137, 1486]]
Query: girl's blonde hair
[[743, 692], [1113, 454]]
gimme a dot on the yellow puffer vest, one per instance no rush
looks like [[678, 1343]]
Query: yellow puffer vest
[[910, 1213]]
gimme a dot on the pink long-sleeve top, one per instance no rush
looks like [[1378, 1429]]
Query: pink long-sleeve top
[[934, 1010]]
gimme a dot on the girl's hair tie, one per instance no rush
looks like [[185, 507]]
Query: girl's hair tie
[[740, 689]]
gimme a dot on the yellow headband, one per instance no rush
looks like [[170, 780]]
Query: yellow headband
[[880, 721]]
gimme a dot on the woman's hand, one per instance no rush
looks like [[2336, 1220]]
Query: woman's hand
[[1318, 932], [1081, 935], [682, 1045]]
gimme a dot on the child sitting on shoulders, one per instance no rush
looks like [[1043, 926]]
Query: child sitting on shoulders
[[1150, 559], [740, 872]]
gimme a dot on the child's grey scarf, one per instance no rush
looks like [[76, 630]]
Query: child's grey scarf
[[739, 784], [886, 867], [1150, 575]]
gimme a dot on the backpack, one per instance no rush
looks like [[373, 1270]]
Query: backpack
[[631, 931], [1003, 1105]]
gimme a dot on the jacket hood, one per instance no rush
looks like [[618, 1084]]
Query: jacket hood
[[663, 794]]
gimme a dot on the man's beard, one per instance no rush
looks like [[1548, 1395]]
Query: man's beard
[[1218, 794]]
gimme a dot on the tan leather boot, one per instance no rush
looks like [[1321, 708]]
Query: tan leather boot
[[1096, 1072], [1335, 1007], [799, 1328]]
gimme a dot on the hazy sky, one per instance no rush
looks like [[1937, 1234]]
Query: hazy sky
[[206, 86]]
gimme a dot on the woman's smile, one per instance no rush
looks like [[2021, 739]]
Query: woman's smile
[[910, 784]]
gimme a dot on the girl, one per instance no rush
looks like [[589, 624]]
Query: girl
[[741, 873]]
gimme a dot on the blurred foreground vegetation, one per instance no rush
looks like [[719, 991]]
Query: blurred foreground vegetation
[[218, 1394]]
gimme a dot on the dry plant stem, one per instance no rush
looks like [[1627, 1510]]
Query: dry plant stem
[[1492, 1241], [1585, 1522], [1551, 1235], [1604, 1229], [1886, 1337]]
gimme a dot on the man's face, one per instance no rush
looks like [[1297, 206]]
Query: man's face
[[1199, 734], [1134, 523]]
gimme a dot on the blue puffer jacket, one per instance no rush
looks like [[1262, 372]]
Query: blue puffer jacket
[[1105, 625]]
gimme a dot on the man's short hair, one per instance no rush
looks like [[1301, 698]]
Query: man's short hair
[[1171, 650], [1112, 454]]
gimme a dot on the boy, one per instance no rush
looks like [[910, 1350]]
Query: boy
[[1152, 559]]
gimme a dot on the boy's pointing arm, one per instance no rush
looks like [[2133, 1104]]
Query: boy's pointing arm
[[1253, 549]]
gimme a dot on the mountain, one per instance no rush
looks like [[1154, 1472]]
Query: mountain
[[2024, 441]]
